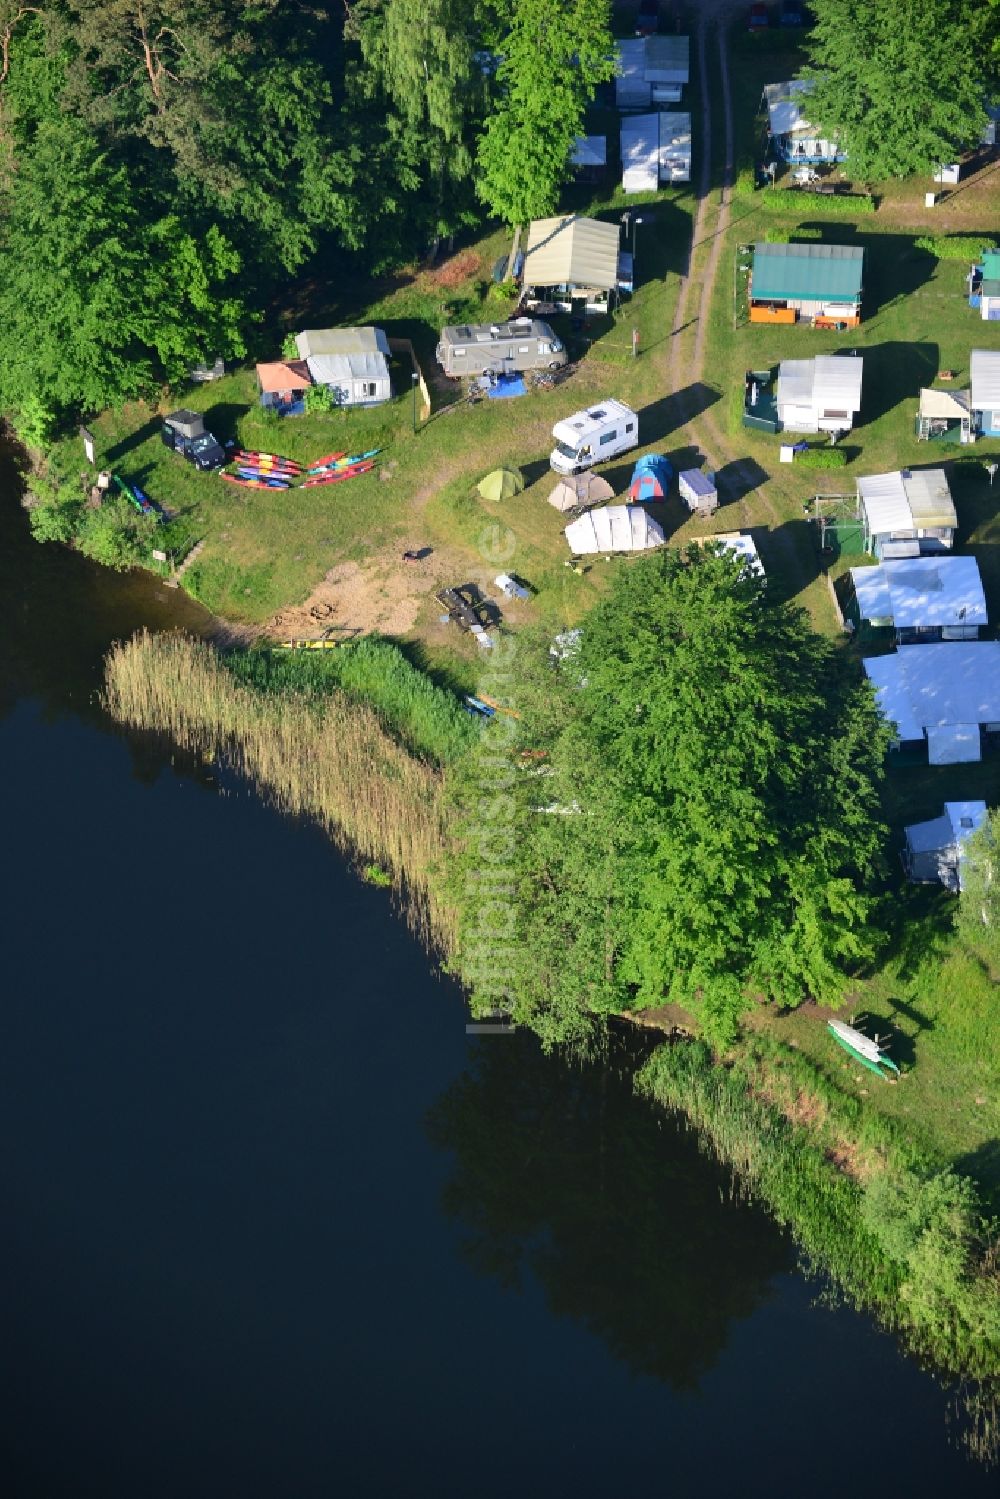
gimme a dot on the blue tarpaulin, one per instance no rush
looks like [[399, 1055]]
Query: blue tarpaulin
[[506, 386]]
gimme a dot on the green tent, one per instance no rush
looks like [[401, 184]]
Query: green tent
[[501, 484]]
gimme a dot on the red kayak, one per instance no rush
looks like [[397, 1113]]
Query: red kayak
[[343, 473], [266, 460]]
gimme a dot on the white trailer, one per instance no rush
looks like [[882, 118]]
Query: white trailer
[[592, 436]]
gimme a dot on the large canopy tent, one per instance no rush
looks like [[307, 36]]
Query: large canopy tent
[[614, 528], [572, 252], [579, 492], [943, 693]]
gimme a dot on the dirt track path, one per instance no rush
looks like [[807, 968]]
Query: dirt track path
[[747, 500]]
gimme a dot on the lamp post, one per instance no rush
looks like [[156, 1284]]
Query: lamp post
[[413, 384]]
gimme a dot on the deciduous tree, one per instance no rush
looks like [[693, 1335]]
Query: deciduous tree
[[555, 53], [901, 82]]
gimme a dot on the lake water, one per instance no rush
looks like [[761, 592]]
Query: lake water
[[274, 1225]]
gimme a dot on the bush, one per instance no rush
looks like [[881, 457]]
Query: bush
[[53, 522], [828, 457], [955, 246], [502, 291], [824, 205], [35, 422], [289, 348], [321, 398], [745, 184]]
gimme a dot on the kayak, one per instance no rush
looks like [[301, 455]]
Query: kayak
[[255, 483], [308, 645], [335, 478], [271, 460], [341, 460], [265, 473]]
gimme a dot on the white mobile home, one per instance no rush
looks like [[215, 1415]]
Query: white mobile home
[[943, 695], [984, 372], [675, 146], [652, 70], [792, 137], [933, 850], [921, 598], [821, 394], [353, 362], [906, 513]]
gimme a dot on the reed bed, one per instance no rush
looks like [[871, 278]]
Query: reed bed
[[330, 759]]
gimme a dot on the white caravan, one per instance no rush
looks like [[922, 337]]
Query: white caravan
[[592, 436]]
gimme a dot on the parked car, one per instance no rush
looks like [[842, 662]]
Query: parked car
[[184, 432], [791, 13], [758, 20]]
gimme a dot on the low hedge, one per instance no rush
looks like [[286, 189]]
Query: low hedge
[[824, 205], [828, 457], [955, 246], [790, 236]]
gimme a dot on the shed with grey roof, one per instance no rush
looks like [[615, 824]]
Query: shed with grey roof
[[934, 851], [907, 512]]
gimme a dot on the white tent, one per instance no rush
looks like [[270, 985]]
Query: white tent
[[945, 693], [579, 492], [614, 528]]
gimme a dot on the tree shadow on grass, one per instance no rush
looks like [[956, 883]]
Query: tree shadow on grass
[[893, 373], [221, 419], [736, 480], [134, 440], [921, 927], [983, 1165], [664, 416]]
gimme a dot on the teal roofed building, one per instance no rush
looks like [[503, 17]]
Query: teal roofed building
[[816, 284], [984, 291]]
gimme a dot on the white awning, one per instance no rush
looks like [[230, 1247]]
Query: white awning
[[883, 499]]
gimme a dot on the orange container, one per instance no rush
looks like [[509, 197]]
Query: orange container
[[772, 314]]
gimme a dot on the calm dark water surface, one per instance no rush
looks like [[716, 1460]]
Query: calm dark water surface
[[273, 1225]]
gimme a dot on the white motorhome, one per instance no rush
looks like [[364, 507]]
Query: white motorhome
[[592, 436], [506, 348]]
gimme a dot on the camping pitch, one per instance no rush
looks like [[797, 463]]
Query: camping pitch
[[501, 484]]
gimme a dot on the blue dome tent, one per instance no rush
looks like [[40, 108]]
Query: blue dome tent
[[651, 478]]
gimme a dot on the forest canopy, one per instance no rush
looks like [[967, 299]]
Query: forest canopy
[[167, 165]]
